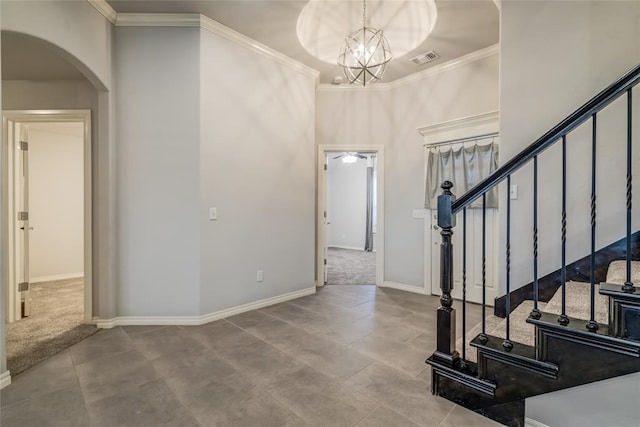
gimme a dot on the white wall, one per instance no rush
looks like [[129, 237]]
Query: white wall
[[346, 203], [257, 167], [56, 200], [554, 57], [390, 116], [612, 402], [158, 134]]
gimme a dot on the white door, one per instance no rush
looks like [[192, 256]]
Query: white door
[[22, 221], [473, 256]]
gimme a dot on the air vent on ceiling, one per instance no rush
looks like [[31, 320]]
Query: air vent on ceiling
[[424, 58]]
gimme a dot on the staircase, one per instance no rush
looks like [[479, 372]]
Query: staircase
[[587, 331]]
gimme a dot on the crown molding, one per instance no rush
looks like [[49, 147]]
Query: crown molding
[[158, 20], [429, 72], [208, 24], [491, 117], [103, 7], [254, 46]]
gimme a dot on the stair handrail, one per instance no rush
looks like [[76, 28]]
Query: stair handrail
[[449, 206], [575, 119]]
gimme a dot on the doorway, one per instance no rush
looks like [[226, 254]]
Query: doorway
[[350, 212], [47, 232]]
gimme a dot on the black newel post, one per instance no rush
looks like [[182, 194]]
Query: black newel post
[[446, 319]]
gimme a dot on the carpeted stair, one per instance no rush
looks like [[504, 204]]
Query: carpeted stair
[[577, 307]]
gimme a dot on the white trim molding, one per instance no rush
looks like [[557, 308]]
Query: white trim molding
[[491, 117], [105, 10], [214, 27], [321, 204], [529, 422], [56, 277], [256, 47], [158, 20], [5, 379], [480, 124], [429, 72], [200, 320], [406, 288]]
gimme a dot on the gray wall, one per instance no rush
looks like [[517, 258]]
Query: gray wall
[[554, 57], [157, 131], [611, 403], [257, 167], [390, 116]]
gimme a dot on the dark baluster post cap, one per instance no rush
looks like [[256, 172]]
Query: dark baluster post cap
[[592, 326], [446, 187], [535, 314], [563, 320], [507, 344], [628, 287]]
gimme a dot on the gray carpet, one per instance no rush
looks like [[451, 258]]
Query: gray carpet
[[56, 322], [577, 306], [351, 267]]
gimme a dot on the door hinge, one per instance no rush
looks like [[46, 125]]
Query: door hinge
[[23, 216], [325, 261], [325, 166], [23, 286], [325, 214], [24, 145]]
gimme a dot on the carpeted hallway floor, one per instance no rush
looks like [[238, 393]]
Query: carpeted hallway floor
[[351, 267], [56, 322]]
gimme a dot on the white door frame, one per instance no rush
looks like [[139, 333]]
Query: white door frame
[[9, 117], [321, 230], [435, 134]]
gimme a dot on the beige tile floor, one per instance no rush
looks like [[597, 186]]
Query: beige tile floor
[[346, 356]]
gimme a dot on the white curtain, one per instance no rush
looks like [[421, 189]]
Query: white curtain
[[464, 166]]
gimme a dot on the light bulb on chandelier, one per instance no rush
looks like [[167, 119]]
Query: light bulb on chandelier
[[365, 53]]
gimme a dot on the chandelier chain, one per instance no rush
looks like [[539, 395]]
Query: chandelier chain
[[364, 13]]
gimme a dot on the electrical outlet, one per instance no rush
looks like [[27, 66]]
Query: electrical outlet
[[259, 276], [213, 214]]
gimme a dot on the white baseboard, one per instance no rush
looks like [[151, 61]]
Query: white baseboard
[[353, 248], [5, 379], [56, 277], [528, 422], [200, 320], [407, 288]]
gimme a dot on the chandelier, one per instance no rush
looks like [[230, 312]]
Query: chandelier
[[365, 53]]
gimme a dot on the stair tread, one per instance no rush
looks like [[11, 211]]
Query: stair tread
[[578, 302], [617, 272]]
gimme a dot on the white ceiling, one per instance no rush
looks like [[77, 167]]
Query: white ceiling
[[462, 27]]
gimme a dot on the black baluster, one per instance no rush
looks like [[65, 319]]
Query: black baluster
[[464, 284], [535, 313], [507, 344], [446, 316], [592, 325], [483, 335], [563, 319], [628, 284]]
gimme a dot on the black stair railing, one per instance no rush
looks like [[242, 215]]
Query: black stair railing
[[449, 206]]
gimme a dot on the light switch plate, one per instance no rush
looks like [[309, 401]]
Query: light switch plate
[[213, 214], [513, 192]]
